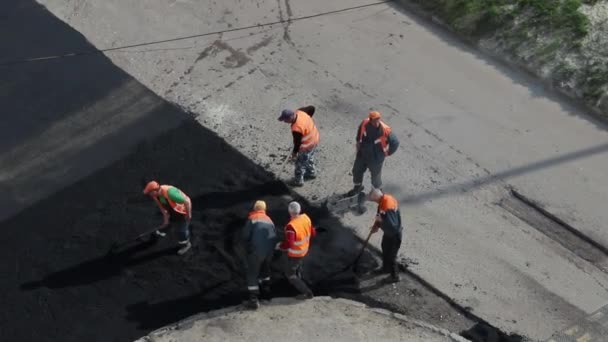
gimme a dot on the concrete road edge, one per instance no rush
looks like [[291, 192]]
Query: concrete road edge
[[189, 322]]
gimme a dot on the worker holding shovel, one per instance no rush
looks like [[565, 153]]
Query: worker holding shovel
[[388, 218], [305, 140], [176, 208]]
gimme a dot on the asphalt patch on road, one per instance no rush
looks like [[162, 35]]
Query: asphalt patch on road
[[68, 288]]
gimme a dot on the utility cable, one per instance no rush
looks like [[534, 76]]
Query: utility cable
[[99, 51]]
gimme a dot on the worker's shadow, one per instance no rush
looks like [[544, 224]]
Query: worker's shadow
[[150, 316], [100, 268]]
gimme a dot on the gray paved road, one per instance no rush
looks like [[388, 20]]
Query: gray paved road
[[468, 129]]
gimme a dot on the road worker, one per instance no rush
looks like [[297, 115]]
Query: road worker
[[176, 208], [298, 233], [388, 218], [260, 238], [375, 141], [305, 140]]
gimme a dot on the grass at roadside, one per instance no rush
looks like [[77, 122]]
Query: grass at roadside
[[477, 17], [565, 41]]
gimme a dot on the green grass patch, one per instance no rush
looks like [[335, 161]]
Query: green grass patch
[[479, 17]]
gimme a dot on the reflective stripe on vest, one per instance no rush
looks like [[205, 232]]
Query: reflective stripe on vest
[[305, 125], [302, 225], [259, 216], [178, 207], [383, 140]]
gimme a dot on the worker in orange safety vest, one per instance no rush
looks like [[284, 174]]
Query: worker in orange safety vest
[[375, 141], [296, 244], [305, 140], [388, 218]]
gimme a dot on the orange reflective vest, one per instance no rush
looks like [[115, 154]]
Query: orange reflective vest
[[383, 140], [259, 216], [387, 202], [178, 207], [302, 225], [306, 126]]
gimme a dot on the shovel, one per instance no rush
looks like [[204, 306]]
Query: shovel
[[344, 276], [116, 245], [356, 262]]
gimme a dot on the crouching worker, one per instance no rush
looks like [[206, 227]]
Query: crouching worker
[[259, 238], [388, 218], [176, 208], [298, 233]]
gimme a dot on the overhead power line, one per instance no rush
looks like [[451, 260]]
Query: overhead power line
[[156, 42]]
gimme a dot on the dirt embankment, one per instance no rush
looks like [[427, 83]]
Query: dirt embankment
[[565, 43]]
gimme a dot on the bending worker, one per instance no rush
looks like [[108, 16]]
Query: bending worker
[[298, 233], [260, 239], [305, 140], [176, 208], [388, 218], [375, 141]]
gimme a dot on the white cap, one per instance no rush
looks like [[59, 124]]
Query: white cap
[[294, 208]]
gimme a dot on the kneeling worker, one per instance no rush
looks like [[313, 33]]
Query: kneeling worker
[[260, 239], [176, 208], [388, 218], [298, 233]]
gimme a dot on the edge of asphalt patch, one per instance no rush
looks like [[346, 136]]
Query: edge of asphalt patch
[[189, 322]]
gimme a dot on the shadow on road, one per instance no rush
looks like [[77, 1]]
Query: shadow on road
[[96, 270], [64, 119], [499, 176]]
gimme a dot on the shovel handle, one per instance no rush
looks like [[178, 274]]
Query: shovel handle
[[363, 247]]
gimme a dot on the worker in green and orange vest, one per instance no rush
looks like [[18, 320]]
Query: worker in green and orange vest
[[176, 208]]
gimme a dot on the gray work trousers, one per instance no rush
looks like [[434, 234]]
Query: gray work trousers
[[305, 164], [375, 168], [294, 275]]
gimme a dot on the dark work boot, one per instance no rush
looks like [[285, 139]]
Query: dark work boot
[[304, 296], [393, 278], [310, 176], [381, 270], [361, 209], [253, 303], [297, 181], [265, 288], [357, 188]]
